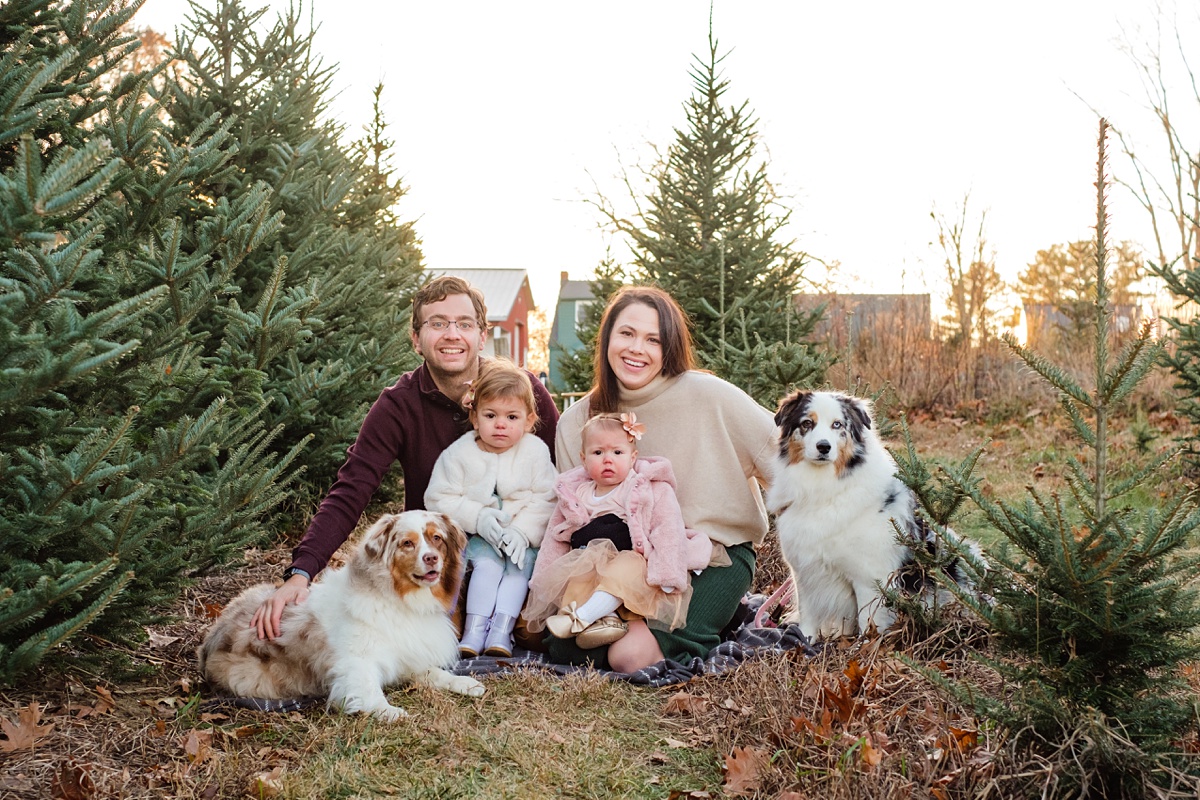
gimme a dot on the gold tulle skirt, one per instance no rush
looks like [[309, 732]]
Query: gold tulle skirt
[[574, 577]]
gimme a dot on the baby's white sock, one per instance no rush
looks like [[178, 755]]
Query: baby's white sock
[[600, 604]]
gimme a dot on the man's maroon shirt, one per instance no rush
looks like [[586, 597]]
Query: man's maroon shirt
[[412, 422]]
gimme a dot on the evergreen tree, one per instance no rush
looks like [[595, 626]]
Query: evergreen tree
[[1182, 278], [576, 368], [185, 253], [129, 456], [346, 250], [1094, 602], [710, 235]]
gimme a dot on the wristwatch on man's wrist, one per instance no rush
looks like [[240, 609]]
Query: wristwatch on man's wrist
[[290, 571]]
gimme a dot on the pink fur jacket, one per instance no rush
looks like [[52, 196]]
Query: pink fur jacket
[[655, 524]]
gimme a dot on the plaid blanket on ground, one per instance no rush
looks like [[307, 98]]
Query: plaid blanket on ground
[[747, 643]]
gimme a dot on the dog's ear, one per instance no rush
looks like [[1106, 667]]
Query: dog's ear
[[858, 410], [792, 406], [455, 535], [375, 541], [453, 565]]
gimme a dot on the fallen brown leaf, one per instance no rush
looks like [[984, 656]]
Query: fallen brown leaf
[[246, 731], [870, 756], [267, 784], [26, 732], [198, 745], [72, 781], [159, 640], [854, 674], [104, 701], [840, 701], [743, 770], [684, 703], [961, 739]]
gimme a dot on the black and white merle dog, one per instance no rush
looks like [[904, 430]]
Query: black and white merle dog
[[835, 495]]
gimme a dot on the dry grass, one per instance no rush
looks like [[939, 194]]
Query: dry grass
[[854, 722], [925, 373]]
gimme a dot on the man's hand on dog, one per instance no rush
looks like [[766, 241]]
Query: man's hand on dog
[[267, 617]]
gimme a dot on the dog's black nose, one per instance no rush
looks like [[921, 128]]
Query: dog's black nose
[[823, 447]]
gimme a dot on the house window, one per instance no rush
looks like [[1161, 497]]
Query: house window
[[581, 310], [501, 342]]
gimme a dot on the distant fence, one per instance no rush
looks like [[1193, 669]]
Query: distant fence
[[1163, 307], [851, 319]]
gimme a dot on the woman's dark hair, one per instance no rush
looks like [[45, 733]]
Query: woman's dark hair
[[677, 355]]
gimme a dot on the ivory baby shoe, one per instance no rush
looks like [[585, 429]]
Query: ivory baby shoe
[[605, 630], [566, 624]]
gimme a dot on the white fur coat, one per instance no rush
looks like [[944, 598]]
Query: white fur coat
[[466, 480]]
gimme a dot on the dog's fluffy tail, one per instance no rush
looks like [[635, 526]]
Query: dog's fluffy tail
[[959, 558]]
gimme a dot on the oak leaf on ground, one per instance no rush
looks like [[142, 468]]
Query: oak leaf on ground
[[744, 770], [267, 784], [26, 732], [72, 781], [198, 745], [684, 703]]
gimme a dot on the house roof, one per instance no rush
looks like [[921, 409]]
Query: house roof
[[575, 290], [500, 287]]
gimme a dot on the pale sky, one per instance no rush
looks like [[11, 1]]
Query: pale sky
[[506, 115]]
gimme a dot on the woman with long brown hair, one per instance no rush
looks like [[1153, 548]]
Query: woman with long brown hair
[[719, 441]]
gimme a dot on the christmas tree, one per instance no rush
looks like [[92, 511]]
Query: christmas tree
[[163, 317], [711, 234], [1092, 601], [351, 264]]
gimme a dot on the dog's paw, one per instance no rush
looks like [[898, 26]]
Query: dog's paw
[[465, 684], [389, 713]]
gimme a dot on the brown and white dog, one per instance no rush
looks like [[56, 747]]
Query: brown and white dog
[[836, 496], [382, 619]]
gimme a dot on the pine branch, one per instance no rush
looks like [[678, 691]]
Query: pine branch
[[1052, 374], [1082, 427], [1134, 363], [32, 650], [19, 607]]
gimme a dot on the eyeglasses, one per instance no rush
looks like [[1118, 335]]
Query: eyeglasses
[[441, 325]]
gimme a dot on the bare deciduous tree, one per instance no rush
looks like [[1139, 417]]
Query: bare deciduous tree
[[970, 269], [1165, 177]]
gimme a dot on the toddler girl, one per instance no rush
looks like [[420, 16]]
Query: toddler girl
[[496, 482], [616, 541]]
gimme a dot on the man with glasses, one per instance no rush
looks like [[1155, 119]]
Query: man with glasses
[[413, 422]]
